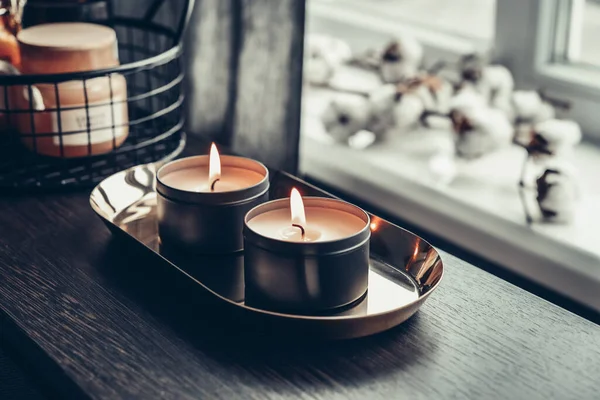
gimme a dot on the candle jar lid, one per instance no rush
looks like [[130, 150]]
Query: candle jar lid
[[242, 195], [309, 248], [67, 47]]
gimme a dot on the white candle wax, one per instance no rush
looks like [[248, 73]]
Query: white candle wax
[[322, 224], [196, 179]]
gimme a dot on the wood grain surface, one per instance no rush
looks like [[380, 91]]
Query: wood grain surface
[[98, 318], [15, 384]]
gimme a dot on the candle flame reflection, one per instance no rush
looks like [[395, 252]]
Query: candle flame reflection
[[214, 167], [297, 208]]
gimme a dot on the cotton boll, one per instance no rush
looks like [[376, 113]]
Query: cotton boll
[[496, 86], [345, 115], [503, 103], [324, 55], [471, 67], [401, 59], [318, 70], [545, 112], [498, 127], [383, 98], [427, 97], [444, 97], [481, 131], [494, 82], [526, 103], [467, 98], [395, 107], [554, 137], [338, 50], [381, 103], [408, 111], [500, 79], [394, 72], [522, 134], [529, 106], [362, 139], [557, 190]]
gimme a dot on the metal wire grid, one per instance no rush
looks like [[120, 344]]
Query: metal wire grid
[[151, 65]]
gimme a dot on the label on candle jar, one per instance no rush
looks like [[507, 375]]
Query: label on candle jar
[[101, 122]]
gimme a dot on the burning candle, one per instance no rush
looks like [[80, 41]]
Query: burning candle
[[306, 255], [202, 201], [291, 224], [211, 176]]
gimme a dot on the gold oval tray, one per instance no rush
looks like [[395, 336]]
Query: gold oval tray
[[404, 268]]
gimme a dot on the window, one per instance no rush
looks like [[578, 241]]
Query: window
[[579, 33], [548, 44]]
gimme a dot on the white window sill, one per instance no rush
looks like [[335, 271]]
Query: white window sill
[[480, 211], [578, 80]]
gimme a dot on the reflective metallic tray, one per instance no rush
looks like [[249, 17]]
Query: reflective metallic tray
[[404, 268]]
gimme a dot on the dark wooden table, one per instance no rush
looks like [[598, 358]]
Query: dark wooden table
[[91, 318]]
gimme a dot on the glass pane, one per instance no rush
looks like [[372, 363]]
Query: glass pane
[[590, 33], [577, 32]]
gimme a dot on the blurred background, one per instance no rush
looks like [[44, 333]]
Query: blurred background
[[416, 174]]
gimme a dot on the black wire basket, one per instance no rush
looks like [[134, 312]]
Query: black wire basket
[[150, 128]]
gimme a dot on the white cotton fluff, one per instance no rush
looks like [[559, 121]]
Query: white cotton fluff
[[382, 99], [499, 78], [561, 134], [362, 139], [561, 196], [345, 115], [443, 98], [496, 86], [389, 113], [411, 56], [496, 81], [323, 56], [426, 97], [467, 98], [491, 130], [438, 100], [381, 104], [528, 105], [407, 111]]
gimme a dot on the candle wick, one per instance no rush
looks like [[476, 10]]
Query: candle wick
[[301, 229], [212, 185]]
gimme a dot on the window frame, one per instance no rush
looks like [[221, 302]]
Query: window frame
[[528, 40]]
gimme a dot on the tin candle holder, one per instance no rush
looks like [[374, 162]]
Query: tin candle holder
[[207, 217], [325, 269]]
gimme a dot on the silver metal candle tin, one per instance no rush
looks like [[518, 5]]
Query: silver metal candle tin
[[206, 222], [305, 277]]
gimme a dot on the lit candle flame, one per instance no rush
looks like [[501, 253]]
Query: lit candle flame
[[297, 208], [214, 167]]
